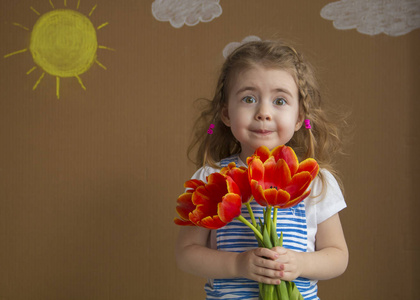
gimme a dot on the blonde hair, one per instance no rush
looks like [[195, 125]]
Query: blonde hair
[[320, 142]]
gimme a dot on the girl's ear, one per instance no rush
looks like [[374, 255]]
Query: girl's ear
[[225, 116], [299, 123]]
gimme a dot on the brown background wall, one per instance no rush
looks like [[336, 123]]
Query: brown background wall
[[88, 182]]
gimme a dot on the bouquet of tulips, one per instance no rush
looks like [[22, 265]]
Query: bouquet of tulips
[[274, 179]]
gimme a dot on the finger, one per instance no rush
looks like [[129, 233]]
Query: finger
[[269, 276], [266, 263], [267, 253]]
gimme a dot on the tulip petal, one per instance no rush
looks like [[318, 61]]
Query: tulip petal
[[229, 167], [299, 184], [269, 174], [257, 192], [286, 153], [183, 222], [231, 186], [216, 178], [282, 174], [310, 165], [212, 222], [184, 205], [256, 171], [229, 208], [240, 177], [193, 184], [297, 200], [195, 216], [262, 153], [276, 198]]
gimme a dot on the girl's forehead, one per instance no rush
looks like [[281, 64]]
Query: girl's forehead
[[258, 73]]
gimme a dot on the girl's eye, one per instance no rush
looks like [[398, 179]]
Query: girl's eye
[[280, 101], [249, 99]]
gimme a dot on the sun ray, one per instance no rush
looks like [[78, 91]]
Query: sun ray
[[52, 5], [35, 11], [21, 26], [30, 71], [39, 80], [102, 25], [78, 3], [16, 52], [93, 8], [80, 81], [58, 87], [105, 47], [101, 65]]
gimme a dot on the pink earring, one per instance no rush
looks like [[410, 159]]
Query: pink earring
[[308, 124]]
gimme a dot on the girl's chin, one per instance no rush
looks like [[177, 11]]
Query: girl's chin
[[249, 151]]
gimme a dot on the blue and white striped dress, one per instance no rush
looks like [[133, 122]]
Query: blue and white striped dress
[[237, 237]]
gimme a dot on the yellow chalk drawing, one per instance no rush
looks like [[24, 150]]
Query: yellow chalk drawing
[[63, 44]]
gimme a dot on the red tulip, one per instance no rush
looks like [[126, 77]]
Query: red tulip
[[276, 177], [240, 176], [210, 205]]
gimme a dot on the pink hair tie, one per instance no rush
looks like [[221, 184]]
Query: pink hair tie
[[308, 124]]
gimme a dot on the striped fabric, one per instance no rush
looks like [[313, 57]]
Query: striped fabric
[[237, 237]]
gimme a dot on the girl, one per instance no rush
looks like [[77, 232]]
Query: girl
[[265, 93]]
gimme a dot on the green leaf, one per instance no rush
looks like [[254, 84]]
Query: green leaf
[[274, 237], [268, 292], [283, 291], [266, 239], [295, 295], [278, 291], [290, 287]]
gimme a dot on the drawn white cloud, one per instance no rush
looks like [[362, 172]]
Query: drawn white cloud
[[392, 17], [190, 12], [232, 46]]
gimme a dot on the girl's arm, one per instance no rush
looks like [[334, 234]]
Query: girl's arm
[[329, 259], [193, 256]]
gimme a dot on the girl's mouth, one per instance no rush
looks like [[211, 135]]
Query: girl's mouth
[[262, 131]]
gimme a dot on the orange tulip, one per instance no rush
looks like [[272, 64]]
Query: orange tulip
[[210, 205], [276, 177]]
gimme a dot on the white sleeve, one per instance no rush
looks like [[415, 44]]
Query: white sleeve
[[203, 172], [319, 207], [329, 203]]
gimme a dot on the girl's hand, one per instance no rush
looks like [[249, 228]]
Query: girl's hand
[[289, 263], [259, 265]]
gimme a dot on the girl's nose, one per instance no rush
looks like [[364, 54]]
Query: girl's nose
[[263, 113]]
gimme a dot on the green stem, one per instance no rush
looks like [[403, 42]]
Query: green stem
[[251, 213], [253, 228], [275, 216], [267, 218]]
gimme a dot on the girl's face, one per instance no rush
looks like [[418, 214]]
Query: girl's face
[[263, 108]]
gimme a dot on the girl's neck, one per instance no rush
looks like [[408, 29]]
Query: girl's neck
[[243, 156]]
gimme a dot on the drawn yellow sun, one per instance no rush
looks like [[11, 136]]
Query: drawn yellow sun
[[63, 44]]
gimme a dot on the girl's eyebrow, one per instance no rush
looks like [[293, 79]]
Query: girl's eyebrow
[[253, 89], [283, 90], [246, 88]]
